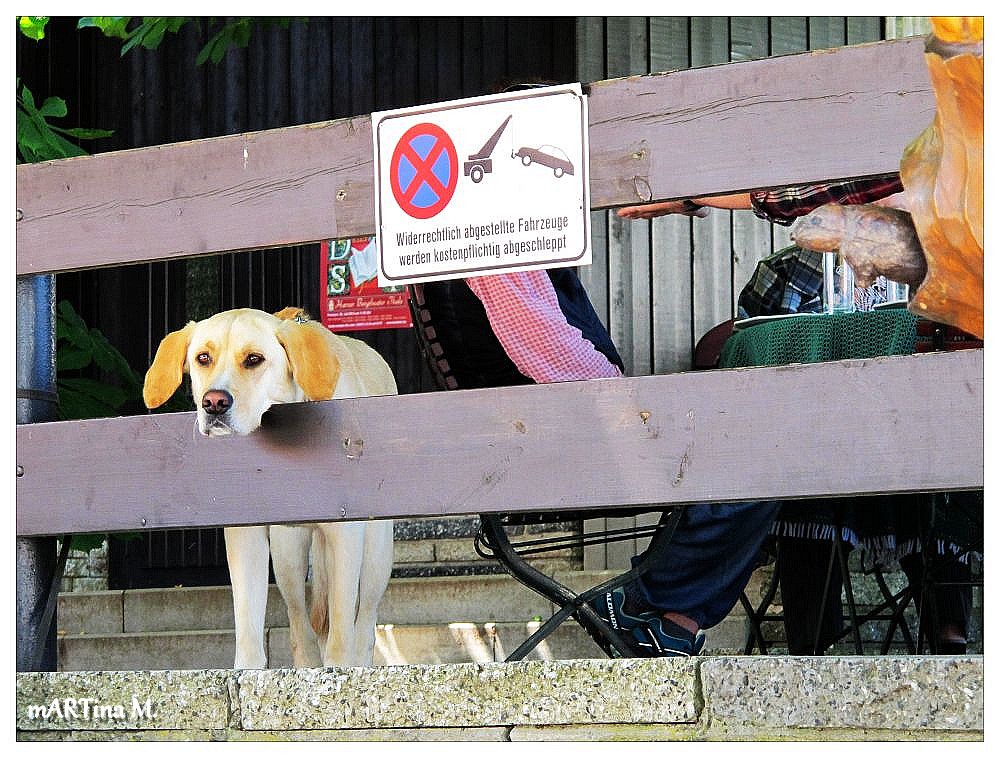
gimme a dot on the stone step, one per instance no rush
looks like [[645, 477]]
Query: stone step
[[423, 600], [395, 644], [423, 620]]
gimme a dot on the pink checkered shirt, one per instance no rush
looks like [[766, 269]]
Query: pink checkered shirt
[[524, 314]]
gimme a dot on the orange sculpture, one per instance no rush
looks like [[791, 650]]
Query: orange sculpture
[[942, 173]]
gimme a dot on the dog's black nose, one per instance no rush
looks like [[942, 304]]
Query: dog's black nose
[[216, 402]]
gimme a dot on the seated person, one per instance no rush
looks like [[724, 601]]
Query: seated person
[[789, 281], [540, 326]]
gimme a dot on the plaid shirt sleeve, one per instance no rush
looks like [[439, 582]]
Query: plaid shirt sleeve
[[783, 206], [524, 313]]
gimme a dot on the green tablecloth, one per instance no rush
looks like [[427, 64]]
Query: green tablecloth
[[885, 527], [814, 337]]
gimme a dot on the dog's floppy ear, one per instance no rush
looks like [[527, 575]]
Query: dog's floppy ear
[[314, 365], [165, 375], [291, 312]]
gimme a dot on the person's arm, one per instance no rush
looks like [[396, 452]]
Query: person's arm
[[690, 207], [785, 204], [524, 313]]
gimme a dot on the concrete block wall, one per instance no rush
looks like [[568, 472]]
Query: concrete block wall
[[86, 570], [699, 699]]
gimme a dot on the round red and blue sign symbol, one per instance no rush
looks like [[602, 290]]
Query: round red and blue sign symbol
[[424, 171]]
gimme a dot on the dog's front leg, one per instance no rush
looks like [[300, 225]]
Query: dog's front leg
[[290, 557], [343, 556], [376, 569], [247, 553]]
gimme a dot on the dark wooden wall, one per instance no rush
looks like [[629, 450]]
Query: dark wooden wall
[[311, 71]]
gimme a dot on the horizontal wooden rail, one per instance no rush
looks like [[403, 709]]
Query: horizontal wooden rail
[[799, 431], [784, 120]]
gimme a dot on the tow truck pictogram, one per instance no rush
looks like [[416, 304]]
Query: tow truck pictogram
[[480, 164]]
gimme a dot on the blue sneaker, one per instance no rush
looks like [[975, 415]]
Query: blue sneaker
[[665, 639], [653, 633]]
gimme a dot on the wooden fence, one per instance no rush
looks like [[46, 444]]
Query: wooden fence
[[821, 115]]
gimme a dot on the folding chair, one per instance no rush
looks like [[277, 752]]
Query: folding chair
[[497, 537], [494, 541], [889, 609]]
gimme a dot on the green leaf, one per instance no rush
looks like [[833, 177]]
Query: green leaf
[[110, 26], [108, 396], [64, 147], [29, 139], [28, 100], [85, 133], [71, 327], [86, 398], [71, 358], [242, 32], [150, 32], [37, 140], [108, 358], [232, 34], [53, 107], [153, 36], [32, 27]]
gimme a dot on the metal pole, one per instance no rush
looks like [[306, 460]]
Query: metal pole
[[36, 401]]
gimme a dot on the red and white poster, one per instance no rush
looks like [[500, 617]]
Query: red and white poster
[[351, 297]]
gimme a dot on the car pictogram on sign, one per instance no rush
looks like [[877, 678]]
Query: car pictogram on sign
[[545, 156], [423, 172]]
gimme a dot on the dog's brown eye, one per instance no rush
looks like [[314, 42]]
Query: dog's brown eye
[[203, 359], [253, 360]]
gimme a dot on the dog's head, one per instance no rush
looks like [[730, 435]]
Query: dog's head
[[242, 362]]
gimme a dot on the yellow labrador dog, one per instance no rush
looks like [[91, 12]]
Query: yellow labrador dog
[[241, 362]]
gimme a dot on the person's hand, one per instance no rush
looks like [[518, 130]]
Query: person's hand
[[654, 210]]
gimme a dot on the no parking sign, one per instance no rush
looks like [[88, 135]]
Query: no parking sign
[[482, 185], [423, 172]]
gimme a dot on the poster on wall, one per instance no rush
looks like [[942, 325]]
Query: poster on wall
[[351, 296]]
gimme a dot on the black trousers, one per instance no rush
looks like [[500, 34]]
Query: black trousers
[[803, 566]]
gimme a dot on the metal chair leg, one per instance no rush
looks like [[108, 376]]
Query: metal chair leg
[[569, 602]]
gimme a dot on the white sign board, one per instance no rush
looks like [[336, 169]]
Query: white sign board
[[483, 185]]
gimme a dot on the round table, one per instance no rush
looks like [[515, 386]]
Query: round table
[[884, 527]]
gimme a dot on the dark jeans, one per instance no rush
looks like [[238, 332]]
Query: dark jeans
[[710, 559], [803, 570]]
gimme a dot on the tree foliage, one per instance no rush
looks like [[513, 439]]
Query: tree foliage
[[40, 140], [83, 350], [149, 31]]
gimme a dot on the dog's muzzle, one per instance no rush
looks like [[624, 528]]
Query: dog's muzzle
[[214, 419], [216, 402]]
